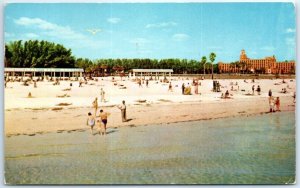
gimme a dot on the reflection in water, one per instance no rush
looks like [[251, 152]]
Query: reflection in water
[[256, 149]]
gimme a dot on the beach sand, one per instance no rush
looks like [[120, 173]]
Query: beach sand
[[46, 112]]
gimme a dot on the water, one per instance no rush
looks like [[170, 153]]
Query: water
[[243, 150]]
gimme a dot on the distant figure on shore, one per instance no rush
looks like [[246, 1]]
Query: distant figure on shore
[[271, 104], [253, 88], [294, 96], [103, 116], [34, 84], [196, 87], [270, 93], [277, 103], [122, 107], [80, 83], [102, 94], [140, 83], [95, 105], [222, 96], [29, 95], [182, 88], [170, 87], [71, 84], [258, 90], [90, 121], [283, 90], [227, 94]]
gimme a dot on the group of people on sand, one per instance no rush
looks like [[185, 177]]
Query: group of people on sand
[[187, 90], [258, 89], [100, 121], [226, 95]]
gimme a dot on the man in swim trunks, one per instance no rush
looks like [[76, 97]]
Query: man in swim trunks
[[103, 115]]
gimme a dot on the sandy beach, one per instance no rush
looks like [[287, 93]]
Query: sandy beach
[[57, 108]]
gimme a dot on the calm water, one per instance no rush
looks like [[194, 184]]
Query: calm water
[[246, 150]]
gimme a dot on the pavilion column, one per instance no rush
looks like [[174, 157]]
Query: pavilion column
[[141, 75], [63, 74]]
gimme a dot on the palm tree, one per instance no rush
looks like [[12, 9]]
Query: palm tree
[[203, 61], [212, 57]]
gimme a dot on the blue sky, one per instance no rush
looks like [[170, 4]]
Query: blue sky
[[162, 30]]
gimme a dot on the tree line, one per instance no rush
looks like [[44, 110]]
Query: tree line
[[44, 54]]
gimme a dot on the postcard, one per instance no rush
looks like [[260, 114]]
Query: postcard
[[149, 93]]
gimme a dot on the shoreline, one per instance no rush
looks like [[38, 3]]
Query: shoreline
[[168, 113]]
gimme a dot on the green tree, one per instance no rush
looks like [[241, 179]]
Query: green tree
[[38, 54], [203, 62], [212, 57]]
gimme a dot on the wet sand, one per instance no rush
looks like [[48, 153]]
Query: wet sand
[[44, 120]]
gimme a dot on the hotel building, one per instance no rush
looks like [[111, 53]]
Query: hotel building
[[268, 65]]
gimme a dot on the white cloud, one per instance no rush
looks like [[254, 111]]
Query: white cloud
[[161, 25], [59, 33], [8, 35], [113, 20], [49, 29], [31, 35], [180, 37], [290, 30], [267, 48]]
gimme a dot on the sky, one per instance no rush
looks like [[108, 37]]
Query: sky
[[158, 30]]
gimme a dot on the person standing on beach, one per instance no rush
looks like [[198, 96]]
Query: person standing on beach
[[253, 88], [103, 116], [90, 121], [258, 90], [95, 105], [182, 88], [277, 103], [170, 87], [196, 87], [122, 107], [147, 82], [294, 96], [102, 93], [270, 93], [271, 103]]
